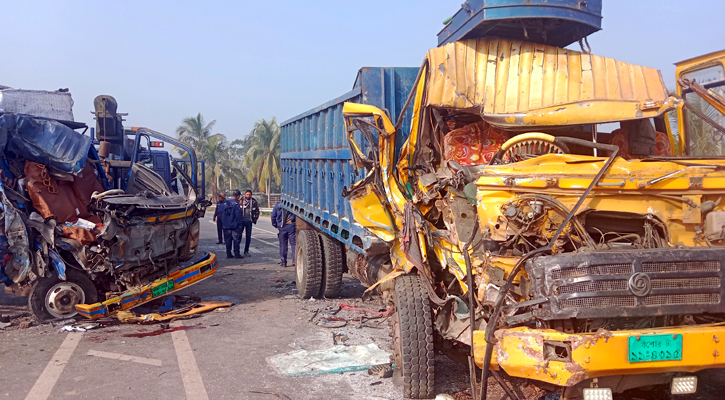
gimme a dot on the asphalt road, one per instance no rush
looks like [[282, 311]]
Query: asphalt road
[[225, 355]]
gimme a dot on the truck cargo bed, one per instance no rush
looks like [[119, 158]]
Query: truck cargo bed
[[316, 161]]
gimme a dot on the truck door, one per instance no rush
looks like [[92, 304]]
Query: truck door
[[376, 200]]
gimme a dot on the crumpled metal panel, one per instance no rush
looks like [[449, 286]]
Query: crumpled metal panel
[[520, 83], [44, 141]]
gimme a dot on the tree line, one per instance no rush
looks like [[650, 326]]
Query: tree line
[[252, 162]]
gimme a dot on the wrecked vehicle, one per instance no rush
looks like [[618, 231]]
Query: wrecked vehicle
[[527, 238], [75, 241]]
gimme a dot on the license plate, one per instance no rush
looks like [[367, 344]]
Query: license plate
[[655, 348]]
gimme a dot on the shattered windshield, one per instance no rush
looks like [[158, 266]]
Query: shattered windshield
[[704, 139]]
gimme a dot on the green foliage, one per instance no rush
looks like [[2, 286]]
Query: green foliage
[[252, 162], [262, 159]]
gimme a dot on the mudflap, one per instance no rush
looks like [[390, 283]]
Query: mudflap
[[183, 278]]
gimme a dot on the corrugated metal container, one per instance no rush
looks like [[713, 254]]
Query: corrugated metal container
[[554, 22], [316, 161]]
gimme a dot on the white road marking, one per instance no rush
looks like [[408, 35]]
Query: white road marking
[[193, 384], [264, 230], [266, 242], [124, 357], [47, 380]]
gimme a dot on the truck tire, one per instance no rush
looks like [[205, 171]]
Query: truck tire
[[52, 298], [412, 323], [308, 264], [332, 266]]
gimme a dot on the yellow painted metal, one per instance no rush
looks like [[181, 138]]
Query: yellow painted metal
[[527, 136], [517, 83], [368, 211], [364, 109], [406, 153], [519, 351], [565, 177]]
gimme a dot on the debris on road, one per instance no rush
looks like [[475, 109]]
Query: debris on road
[[337, 359], [280, 396], [381, 370], [193, 309], [162, 331]]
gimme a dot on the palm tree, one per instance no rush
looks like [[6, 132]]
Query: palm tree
[[194, 132], [263, 157], [212, 151]]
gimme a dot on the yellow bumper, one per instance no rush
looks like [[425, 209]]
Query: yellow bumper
[[520, 352], [200, 270]]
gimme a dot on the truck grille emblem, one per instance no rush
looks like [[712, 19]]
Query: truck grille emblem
[[639, 284]]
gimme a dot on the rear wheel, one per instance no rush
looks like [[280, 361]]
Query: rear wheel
[[51, 298], [412, 333], [308, 264], [332, 266]]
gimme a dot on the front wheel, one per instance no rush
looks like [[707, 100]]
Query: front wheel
[[308, 264], [413, 346], [51, 298]]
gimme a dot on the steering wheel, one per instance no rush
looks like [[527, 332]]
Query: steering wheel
[[528, 145]]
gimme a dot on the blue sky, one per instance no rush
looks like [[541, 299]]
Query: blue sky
[[240, 61]]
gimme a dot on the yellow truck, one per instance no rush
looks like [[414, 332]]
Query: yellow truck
[[545, 223]]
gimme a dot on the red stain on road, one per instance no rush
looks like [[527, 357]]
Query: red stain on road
[[162, 331]]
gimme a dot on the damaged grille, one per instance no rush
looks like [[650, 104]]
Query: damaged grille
[[595, 302], [595, 286], [581, 271], [632, 283], [683, 266]]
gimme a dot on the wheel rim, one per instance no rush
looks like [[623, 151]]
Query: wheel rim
[[61, 299], [300, 266]]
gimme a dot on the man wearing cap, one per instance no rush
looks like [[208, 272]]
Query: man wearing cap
[[250, 215], [231, 217], [217, 213], [284, 221]]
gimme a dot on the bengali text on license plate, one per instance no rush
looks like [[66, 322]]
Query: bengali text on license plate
[[655, 348]]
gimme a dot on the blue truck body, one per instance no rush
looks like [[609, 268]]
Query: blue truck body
[[553, 22], [316, 161]]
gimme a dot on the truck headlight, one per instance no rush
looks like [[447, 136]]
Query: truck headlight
[[597, 394], [684, 385]]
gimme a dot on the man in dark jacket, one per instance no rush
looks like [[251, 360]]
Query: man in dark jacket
[[217, 213], [231, 217], [250, 215], [284, 221]]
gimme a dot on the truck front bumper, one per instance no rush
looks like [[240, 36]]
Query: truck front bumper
[[177, 280], [521, 353]]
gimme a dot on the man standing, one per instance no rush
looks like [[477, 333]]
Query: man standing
[[250, 215], [284, 221], [217, 213], [231, 217]]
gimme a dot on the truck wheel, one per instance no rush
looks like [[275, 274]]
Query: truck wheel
[[331, 267], [308, 264], [51, 298], [412, 325]]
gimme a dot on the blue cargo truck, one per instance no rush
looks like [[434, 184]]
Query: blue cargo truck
[[317, 169]]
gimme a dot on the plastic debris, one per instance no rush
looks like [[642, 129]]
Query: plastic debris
[[381, 370], [204, 306], [444, 396], [335, 360], [167, 306], [69, 328]]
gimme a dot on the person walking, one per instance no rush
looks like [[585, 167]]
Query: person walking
[[231, 217], [284, 221], [250, 215], [217, 213]]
